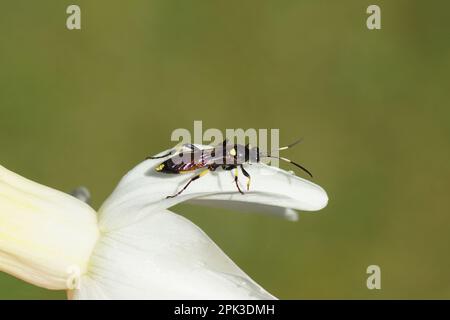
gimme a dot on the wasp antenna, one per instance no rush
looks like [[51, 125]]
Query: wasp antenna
[[292, 162], [299, 166], [291, 145]]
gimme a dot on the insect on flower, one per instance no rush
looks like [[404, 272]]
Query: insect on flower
[[225, 156]]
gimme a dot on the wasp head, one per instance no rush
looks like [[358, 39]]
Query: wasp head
[[244, 154]]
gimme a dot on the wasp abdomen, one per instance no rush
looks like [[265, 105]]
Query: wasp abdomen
[[169, 166]]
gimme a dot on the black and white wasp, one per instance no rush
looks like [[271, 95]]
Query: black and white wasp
[[226, 156]]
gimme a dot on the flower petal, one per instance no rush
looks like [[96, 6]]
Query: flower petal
[[46, 236], [164, 256], [250, 207], [144, 188]]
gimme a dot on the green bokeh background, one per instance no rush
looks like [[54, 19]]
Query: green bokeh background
[[84, 107]]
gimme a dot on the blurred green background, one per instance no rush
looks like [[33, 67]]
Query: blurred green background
[[84, 107]]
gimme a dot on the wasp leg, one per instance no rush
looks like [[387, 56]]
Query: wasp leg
[[213, 167], [236, 180], [225, 142], [201, 174], [247, 175], [231, 167]]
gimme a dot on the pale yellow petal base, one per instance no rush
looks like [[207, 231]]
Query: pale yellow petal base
[[46, 236]]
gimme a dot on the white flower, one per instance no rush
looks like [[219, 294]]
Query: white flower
[[134, 248]]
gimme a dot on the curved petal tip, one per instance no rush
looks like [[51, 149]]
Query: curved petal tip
[[146, 190]]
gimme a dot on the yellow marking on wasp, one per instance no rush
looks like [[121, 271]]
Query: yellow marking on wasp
[[160, 167], [190, 171], [203, 173], [233, 152]]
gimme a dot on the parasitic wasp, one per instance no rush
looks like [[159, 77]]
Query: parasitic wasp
[[225, 156]]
